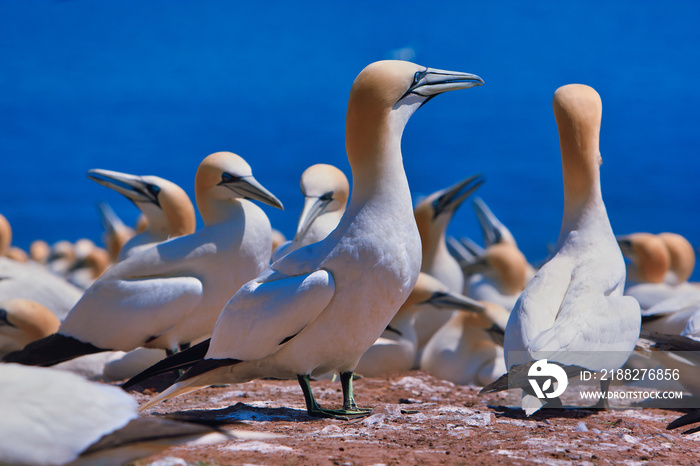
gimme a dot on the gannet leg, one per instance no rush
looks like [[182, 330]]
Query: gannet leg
[[350, 409]]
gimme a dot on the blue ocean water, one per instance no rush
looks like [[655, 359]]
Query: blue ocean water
[[153, 87]]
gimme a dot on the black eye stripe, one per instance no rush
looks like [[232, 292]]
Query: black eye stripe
[[327, 196]]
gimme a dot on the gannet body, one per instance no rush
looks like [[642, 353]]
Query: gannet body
[[326, 191], [433, 215], [51, 417], [33, 281], [168, 211], [319, 308], [171, 293], [573, 311], [463, 352], [395, 350]]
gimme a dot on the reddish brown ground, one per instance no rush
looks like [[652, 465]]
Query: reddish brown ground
[[452, 425]]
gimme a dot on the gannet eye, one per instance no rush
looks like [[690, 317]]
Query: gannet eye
[[327, 197], [153, 189], [229, 178]]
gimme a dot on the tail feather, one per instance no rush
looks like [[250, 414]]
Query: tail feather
[[181, 360], [52, 350]]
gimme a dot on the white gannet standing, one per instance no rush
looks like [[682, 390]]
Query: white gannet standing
[[501, 272], [464, 351], [171, 294], [573, 311], [52, 417], [23, 321], [319, 308], [395, 349], [433, 215], [326, 191], [167, 208]]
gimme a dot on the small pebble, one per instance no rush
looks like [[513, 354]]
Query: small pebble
[[581, 427]]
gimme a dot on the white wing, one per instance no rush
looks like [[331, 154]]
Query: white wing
[[263, 315], [144, 309]]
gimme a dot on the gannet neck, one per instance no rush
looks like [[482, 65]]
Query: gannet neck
[[5, 235], [578, 112], [682, 257]]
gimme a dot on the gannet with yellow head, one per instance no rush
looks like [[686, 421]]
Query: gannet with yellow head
[[319, 308]]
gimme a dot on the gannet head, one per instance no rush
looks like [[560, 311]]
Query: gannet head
[[5, 235], [39, 251], [431, 293], [166, 206], [649, 255], [385, 95], [225, 176], [325, 189], [23, 321], [682, 257], [578, 111]]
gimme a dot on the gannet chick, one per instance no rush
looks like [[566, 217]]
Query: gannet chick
[[171, 294], [463, 350], [573, 311], [167, 208], [395, 350], [52, 417], [326, 190], [319, 308], [23, 321], [116, 233], [433, 215]]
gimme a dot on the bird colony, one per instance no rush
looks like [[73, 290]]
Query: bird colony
[[369, 285]]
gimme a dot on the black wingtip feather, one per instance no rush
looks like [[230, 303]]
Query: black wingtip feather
[[181, 360], [52, 350]]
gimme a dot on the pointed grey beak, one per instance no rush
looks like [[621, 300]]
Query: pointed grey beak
[[452, 197], [431, 82], [249, 188], [313, 207], [131, 186], [452, 301], [494, 231], [110, 220]]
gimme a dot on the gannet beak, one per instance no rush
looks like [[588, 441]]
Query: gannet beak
[[4, 320], [313, 207], [131, 186], [453, 197], [431, 82], [490, 225], [452, 301], [249, 188]]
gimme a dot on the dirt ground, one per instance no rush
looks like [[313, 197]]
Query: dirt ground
[[417, 419]]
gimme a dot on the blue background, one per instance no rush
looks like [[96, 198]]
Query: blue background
[[153, 87]]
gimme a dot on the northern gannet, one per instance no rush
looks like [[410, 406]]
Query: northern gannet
[[23, 321], [6, 248], [171, 294], [319, 308], [395, 349], [500, 273], [573, 311], [659, 266], [433, 215], [463, 350], [167, 208], [91, 261], [39, 251], [53, 417], [326, 191]]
